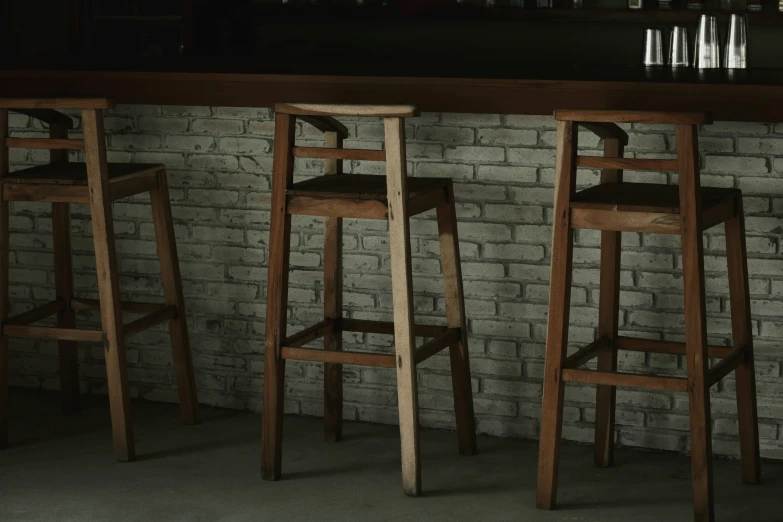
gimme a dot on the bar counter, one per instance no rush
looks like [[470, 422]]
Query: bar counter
[[487, 87]]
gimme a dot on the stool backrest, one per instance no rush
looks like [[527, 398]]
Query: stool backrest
[[603, 123], [43, 110], [321, 116]]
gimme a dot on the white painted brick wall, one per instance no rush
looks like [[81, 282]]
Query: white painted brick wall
[[219, 162]]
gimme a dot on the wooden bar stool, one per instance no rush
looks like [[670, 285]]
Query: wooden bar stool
[[614, 207], [96, 183], [335, 196]]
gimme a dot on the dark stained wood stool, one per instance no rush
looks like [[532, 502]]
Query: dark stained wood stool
[[614, 207], [96, 183], [335, 196]]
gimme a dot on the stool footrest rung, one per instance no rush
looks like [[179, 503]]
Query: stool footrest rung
[[444, 340], [628, 380], [37, 313], [671, 347], [727, 365], [588, 353], [163, 314], [341, 357], [125, 306], [45, 332], [596, 162], [342, 154], [310, 334], [387, 327]]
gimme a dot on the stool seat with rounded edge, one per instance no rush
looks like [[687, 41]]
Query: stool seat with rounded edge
[[97, 184], [335, 196], [614, 207]]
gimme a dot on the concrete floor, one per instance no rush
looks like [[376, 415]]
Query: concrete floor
[[61, 468]]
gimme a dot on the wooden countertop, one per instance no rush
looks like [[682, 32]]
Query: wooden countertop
[[752, 95]]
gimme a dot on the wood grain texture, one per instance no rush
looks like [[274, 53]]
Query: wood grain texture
[[615, 116], [60, 173], [593, 162], [626, 380], [43, 143], [4, 297], [608, 320], [387, 327], [402, 296], [63, 280], [57, 334], [321, 109], [695, 323], [431, 94], [345, 154], [333, 302], [380, 360], [55, 103], [623, 221], [277, 298], [336, 207], [108, 284], [451, 266], [742, 336], [172, 290], [636, 344], [559, 310]]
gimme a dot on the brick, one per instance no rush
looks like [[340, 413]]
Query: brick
[[217, 126], [455, 135], [510, 137], [475, 154], [244, 145]]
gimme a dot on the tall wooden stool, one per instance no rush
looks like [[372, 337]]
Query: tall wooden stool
[[96, 183], [336, 195], [615, 207]]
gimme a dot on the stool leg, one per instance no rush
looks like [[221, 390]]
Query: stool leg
[[172, 289], [108, 284], [4, 303], [63, 277], [400, 246], [277, 299], [455, 313], [695, 322], [333, 305], [745, 375], [608, 317], [559, 309]]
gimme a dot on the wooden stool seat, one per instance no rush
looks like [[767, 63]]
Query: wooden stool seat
[[95, 183], [615, 207], [67, 182], [335, 196], [646, 207], [361, 196], [76, 173]]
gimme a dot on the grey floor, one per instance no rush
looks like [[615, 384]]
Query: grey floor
[[61, 468]]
